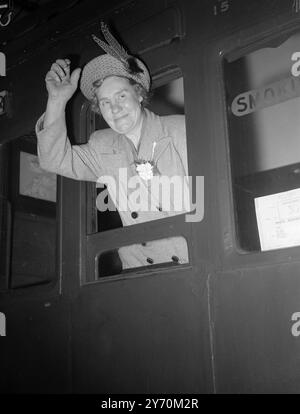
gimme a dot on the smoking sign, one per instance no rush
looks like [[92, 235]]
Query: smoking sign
[[271, 94]]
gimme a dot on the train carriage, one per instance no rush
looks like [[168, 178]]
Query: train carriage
[[227, 321]]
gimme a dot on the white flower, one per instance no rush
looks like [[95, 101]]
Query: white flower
[[145, 170]]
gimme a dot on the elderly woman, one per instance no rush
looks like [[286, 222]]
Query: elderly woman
[[139, 147]]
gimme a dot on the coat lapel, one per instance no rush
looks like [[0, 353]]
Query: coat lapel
[[151, 135]]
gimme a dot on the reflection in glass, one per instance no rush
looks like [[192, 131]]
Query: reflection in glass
[[35, 182]]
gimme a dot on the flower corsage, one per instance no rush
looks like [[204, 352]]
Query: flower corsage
[[146, 169]]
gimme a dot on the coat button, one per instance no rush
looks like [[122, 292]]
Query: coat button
[[134, 214], [175, 259], [150, 261]]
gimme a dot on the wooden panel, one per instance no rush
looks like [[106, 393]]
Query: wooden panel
[[35, 352], [143, 37], [255, 350], [144, 335]]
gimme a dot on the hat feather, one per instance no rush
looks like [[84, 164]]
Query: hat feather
[[114, 49], [114, 44], [105, 47]]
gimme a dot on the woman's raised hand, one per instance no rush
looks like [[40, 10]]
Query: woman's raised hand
[[60, 84]]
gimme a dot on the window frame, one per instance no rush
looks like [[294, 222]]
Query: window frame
[[94, 244], [24, 205], [237, 45], [239, 230]]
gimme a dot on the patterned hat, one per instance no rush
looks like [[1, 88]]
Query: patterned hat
[[116, 62]]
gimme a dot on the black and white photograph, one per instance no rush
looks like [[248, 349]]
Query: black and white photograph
[[149, 201]]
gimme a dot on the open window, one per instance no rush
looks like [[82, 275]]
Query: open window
[[263, 103], [168, 99]]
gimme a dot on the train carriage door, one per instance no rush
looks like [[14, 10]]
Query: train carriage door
[[256, 291], [34, 355], [142, 329]]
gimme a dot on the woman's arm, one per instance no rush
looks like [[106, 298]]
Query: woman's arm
[[56, 154]]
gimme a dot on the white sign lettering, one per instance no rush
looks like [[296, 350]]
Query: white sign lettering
[[2, 324], [272, 94], [2, 64]]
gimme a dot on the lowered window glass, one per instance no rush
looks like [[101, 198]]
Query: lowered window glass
[[262, 93]]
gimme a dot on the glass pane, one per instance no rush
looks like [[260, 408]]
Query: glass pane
[[33, 250], [263, 116], [28, 224], [35, 182]]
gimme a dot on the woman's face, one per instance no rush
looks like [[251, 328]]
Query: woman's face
[[120, 104]]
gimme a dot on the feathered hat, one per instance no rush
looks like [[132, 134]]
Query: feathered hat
[[116, 62]]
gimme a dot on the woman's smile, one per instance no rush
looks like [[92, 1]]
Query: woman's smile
[[120, 105]]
